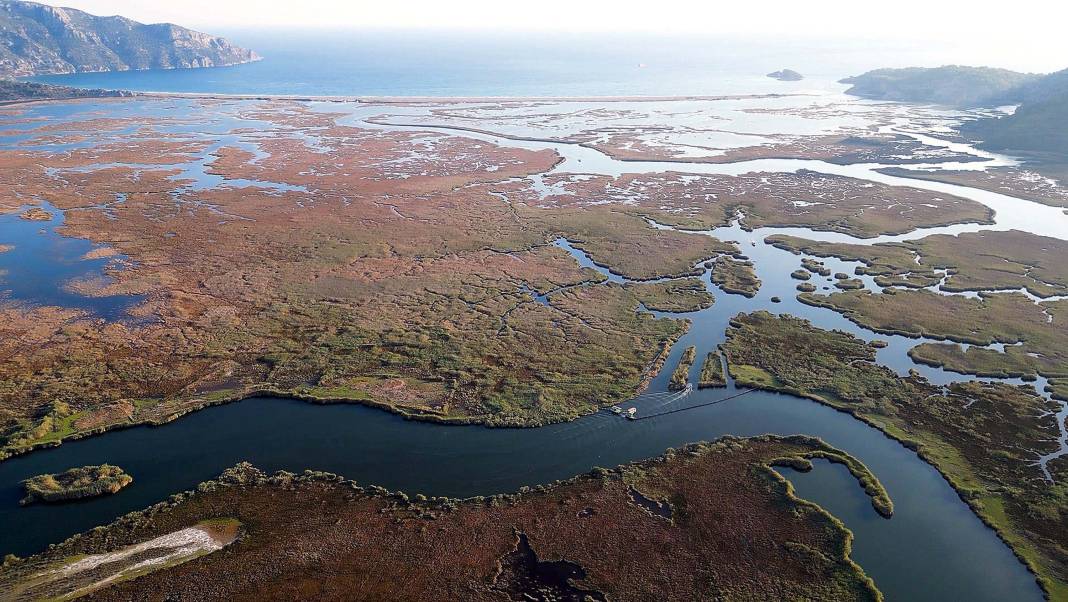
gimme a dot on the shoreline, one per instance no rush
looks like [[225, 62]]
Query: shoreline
[[1044, 583], [393, 99], [398, 99]]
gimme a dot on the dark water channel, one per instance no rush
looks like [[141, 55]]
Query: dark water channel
[[933, 548]]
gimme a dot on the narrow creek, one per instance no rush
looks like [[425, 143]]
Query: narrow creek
[[934, 548]]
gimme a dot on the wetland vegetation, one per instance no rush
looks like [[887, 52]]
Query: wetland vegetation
[[1035, 341], [384, 297], [435, 276], [971, 261], [674, 296], [735, 276]]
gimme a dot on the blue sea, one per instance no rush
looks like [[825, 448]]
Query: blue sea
[[436, 63]]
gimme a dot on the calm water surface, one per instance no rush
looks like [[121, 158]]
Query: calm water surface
[[392, 63]]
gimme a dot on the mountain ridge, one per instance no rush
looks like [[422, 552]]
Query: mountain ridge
[[38, 39]]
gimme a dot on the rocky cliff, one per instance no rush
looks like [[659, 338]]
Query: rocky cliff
[[39, 39]]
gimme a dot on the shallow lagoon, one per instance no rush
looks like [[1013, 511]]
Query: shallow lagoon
[[42, 262]]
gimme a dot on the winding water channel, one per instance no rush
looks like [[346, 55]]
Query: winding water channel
[[934, 547]]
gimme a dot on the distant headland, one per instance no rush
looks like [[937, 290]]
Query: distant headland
[[41, 39]]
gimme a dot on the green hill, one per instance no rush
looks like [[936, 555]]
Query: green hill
[[1039, 125], [1035, 127], [949, 85]]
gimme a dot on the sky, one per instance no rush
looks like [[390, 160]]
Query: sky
[[1025, 34]]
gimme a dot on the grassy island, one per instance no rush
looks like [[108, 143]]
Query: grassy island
[[815, 266], [849, 284], [712, 372], [75, 484], [673, 296]]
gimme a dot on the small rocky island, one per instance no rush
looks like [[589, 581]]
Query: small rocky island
[[75, 484], [786, 75]]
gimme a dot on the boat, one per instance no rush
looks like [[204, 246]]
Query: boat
[[616, 410], [632, 413]]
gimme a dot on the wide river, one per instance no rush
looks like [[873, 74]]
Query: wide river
[[934, 547]]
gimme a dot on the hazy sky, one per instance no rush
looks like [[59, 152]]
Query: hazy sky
[[1020, 34]]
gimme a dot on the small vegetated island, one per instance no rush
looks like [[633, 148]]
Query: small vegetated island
[[712, 372], [74, 484], [36, 214], [681, 376], [735, 276]]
